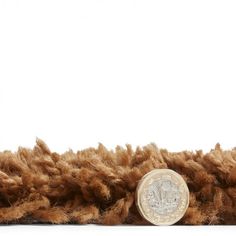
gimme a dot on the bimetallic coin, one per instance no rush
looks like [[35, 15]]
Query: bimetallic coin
[[162, 197]]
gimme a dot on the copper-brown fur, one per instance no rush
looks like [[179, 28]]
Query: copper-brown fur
[[97, 185]]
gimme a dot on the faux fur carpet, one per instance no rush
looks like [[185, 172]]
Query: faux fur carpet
[[97, 185]]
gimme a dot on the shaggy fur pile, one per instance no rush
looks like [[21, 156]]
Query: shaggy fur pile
[[98, 186]]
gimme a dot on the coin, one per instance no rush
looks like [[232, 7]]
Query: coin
[[162, 197]]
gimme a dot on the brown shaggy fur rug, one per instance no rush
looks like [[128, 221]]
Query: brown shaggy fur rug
[[97, 185]]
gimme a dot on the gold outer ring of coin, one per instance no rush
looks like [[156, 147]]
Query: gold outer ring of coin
[[147, 212]]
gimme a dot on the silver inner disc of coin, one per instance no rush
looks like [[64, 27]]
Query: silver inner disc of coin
[[163, 196]]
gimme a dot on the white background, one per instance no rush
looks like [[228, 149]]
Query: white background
[[75, 73]]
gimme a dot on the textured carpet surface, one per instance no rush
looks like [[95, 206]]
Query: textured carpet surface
[[98, 186]]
